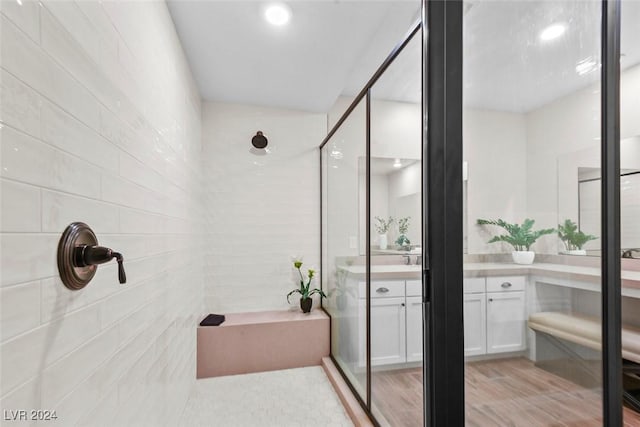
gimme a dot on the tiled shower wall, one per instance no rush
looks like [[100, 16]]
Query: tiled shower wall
[[100, 123], [260, 209]]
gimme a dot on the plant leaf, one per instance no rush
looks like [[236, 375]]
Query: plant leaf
[[519, 236], [318, 291], [291, 293]]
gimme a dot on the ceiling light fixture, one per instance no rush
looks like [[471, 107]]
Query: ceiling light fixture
[[277, 14], [553, 31], [397, 163]]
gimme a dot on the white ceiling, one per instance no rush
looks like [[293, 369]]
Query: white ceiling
[[236, 56], [332, 47], [507, 67]]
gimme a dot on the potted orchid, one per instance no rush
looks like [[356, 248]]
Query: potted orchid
[[305, 290]]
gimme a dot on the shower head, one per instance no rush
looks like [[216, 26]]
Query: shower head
[[259, 140]]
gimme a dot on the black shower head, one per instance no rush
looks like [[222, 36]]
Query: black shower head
[[259, 140]]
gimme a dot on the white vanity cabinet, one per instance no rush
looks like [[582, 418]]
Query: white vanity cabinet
[[414, 320], [494, 315], [396, 321], [388, 323], [505, 314], [475, 316]]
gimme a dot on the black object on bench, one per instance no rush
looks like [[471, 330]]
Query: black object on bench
[[212, 320]]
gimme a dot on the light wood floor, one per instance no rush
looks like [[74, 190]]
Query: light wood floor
[[506, 392]]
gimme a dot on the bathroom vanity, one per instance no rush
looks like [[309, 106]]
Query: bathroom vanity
[[498, 299]]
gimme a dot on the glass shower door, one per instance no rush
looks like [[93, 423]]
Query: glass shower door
[[372, 239], [343, 267], [395, 193], [532, 286]]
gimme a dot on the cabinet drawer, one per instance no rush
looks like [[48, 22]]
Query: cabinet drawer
[[473, 285], [382, 289], [505, 284], [414, 288]]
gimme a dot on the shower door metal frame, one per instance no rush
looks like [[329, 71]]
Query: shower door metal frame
[[442, 206], [610, 215], [443, 66]]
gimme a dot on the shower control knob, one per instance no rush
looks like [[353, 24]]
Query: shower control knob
[[79, 256], [93, 255]]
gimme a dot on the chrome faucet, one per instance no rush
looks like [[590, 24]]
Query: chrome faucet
[[407, 260], [629, 253]]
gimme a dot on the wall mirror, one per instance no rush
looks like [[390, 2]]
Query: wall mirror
[[395, 193], [579, 182]]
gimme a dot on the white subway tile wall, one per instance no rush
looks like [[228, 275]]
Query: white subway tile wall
[[100, 122], [260, 209]]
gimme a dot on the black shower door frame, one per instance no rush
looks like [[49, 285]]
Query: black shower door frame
[[442, 183], [442, 222]]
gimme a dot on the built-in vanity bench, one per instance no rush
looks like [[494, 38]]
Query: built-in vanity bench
[[584, 330]]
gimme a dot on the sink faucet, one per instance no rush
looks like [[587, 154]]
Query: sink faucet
[[629, 253], [407, 259]]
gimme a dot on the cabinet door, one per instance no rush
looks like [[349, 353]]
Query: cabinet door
[[388, 340], [505, 322], [475, 335], [414, 329]]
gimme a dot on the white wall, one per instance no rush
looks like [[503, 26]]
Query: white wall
[[260, 209], [101, 124], [342, 180], [395, 133], [405, 199], [495, 147], [568, 125], [513, 159], [379, 199]]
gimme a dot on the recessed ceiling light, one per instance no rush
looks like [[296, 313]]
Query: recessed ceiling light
[[397, 163], [277, 14], [553, 31]]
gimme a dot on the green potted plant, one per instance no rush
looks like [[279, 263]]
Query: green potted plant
[[382, 227], [403, 227], [520, 236], [573, 238], [305, 290]]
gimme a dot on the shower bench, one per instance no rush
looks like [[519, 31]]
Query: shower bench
[[262, 341]]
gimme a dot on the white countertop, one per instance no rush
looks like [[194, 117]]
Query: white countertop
[[592, 274]]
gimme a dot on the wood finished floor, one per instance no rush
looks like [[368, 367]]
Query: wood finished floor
[[506, 392]]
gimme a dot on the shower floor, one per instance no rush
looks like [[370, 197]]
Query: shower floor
[[301, 397], [506, 392]]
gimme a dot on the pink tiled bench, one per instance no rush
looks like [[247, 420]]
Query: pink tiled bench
[[262, 341]]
